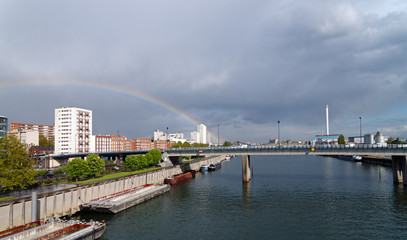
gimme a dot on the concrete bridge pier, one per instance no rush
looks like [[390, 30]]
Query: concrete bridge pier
[[399, 164], [246, 168]]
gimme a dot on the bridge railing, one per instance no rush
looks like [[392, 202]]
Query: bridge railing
[[292, 147]]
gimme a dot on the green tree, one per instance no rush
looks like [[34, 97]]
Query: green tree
[[227, 144], [95, 164], [44, 142], [130, 162], [150, 158], [341, 139], [156, 156], [390, 140], [186, 144], [176, 145], [397, 141], [77, 168], [16, 169], [141, 161]]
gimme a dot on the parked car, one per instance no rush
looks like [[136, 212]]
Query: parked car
[[49, 175]]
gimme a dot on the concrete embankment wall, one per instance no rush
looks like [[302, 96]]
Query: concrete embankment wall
[[16, 212]]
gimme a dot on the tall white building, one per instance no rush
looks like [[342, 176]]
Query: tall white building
[[194, 137], [73, 130], [202, 138]]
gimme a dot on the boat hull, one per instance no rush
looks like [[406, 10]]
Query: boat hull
[[214, 166], [56, 229], [179, 177]]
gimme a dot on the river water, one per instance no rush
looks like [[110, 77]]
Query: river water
[[289, 197]]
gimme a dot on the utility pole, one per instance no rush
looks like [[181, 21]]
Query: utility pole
[[218, 135], [360, 118], [279, 133]]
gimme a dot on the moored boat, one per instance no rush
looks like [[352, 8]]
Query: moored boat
[[56, 229], [204, 168], [357, 158], [117, 202], [179, 177], [214, 166]]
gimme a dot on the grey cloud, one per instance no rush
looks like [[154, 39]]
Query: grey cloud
[[233, 63]]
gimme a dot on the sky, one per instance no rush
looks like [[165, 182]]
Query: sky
[[240, 65]]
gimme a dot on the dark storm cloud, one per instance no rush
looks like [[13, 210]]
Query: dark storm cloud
[[243, 65]]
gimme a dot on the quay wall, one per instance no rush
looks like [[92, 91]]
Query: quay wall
[[16, 212]]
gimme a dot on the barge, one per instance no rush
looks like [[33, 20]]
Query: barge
[[179, 177], [214, 166], [120, 201], [56, 229]]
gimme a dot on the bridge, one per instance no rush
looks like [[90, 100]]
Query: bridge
[[398, 153]]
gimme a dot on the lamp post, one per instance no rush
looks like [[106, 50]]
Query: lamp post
[[218, 136], [360, 119], [278, 133]]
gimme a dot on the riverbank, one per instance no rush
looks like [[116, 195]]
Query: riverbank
[[16, 212]]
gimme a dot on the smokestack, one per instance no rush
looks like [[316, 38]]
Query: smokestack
[[327, 120]]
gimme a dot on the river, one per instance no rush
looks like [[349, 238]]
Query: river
[[289, 197]]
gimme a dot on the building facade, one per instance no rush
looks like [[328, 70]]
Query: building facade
[[73, 130], [162, 144], [139, 144], [44, 130], [202, 134], [110, 143], [3, 125], [29, 138]]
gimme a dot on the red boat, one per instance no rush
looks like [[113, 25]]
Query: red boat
[[179, 177]]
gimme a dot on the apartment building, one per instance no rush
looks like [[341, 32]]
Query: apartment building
[[3, 125], [44, 130], [110, 143], [139, 144], [162, 144], [73, 130]]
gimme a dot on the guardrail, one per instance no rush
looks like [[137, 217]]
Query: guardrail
[[294, 147]]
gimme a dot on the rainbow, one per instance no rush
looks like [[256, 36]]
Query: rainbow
[[6, 86]]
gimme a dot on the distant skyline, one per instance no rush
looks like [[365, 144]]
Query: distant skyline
[[141, 66]]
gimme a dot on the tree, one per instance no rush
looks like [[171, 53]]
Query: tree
[[156, 156], [397, 141], [141, 162], [77, 168], [43, 142], [95, 164], [341, 139], [16, 169], [176, 145], [150, 158], [390, 140], [227, 144], [186, 144], [130, 162]]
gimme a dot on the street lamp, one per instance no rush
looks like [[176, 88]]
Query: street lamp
[[360, 118], [279, 133], [218, 135]]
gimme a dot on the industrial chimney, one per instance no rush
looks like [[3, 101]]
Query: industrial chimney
[[327, 120]]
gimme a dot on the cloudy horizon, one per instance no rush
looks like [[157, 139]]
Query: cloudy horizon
[[242, 65]]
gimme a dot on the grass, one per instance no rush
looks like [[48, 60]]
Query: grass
[[115, 175], [5, 198]]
